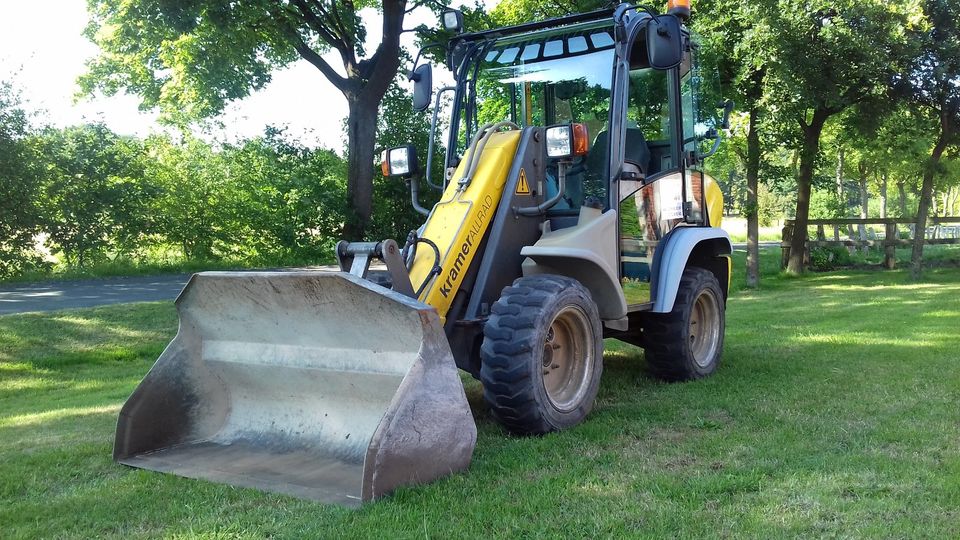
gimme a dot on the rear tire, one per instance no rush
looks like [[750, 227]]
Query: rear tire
[[542, 355], [686, 343]]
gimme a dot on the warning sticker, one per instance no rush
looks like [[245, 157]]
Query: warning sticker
[[523, 188]]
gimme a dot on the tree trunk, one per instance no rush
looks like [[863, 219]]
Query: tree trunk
[[808, 161], [903, 199], [839, 178], [753, 217], [926, 195], [864, 202], [361, 143], [883, 195], [364, 85]]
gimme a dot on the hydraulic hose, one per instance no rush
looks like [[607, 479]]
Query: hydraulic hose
[[476, 148], [547, 204]]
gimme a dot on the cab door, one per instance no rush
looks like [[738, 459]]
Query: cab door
[[651, 187]]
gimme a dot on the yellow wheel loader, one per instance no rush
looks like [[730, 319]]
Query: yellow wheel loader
[[574, 208]]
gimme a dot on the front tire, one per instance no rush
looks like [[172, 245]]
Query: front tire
[[542, 355], [686, 343]]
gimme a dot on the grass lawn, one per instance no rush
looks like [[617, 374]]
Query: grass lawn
[[835, 413]]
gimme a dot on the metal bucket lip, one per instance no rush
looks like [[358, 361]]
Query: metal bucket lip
[[300, 274]]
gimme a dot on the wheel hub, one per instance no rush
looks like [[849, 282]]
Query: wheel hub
[[568, 358], [704, 328]]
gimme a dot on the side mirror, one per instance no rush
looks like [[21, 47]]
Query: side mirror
[[400, 161], [727, 109], [422, 77], [664, 42], [712, 133]]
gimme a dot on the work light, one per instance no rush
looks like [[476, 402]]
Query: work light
[[567, 140], [399, 161], [452, 20]]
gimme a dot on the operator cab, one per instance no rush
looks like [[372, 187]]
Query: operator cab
[[640, 158]]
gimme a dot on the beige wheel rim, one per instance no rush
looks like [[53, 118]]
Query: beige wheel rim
[[704, 329], [568, 358]]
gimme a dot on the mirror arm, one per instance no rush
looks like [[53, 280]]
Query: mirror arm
[[724, 125], [420, 53], [433, 134], [713, 149], [415, 196]]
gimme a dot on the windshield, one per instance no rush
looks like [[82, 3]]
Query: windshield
[[546, 78], [542, 79]]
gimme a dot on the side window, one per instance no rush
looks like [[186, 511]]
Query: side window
[[689, 84], [648, 121], [648, 209], [699, 96]]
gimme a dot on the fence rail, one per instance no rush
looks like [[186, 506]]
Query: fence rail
[[941, 230]]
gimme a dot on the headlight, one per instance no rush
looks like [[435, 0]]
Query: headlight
[[399, 161], [567, 140]]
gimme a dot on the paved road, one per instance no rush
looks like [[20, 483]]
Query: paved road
[[52, 295]]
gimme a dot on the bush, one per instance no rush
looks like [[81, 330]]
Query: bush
[[829, 258]]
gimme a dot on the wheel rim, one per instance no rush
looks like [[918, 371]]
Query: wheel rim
[[704, 329], [568, 358]]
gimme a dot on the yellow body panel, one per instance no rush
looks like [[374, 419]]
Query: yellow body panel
[[714, 201], [460, 220]]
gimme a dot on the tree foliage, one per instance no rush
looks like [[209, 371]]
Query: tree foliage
[[931, 81], [94, 197], [190, 59], [20, 216], [839, 103]]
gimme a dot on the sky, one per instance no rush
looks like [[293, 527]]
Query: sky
[[43, 51]]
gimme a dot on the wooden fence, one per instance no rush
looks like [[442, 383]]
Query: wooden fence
[[887, 235]]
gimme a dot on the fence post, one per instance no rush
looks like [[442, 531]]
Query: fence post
[[785, 243], [891, 238]]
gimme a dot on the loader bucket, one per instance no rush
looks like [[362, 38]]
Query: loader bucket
[[319, 385]]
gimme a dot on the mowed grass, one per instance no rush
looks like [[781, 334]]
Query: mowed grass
[[835, 413]]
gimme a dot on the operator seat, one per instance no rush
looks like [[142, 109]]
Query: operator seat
[[636, 158]]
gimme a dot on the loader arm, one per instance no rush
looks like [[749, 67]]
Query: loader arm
[[459, 222]]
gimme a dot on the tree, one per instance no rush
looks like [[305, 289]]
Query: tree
[[191, 58], [19, 185], [823, 61], [92, 197], [931, 79], [290, 199], [509, 12], [729, 29], [195, 189]]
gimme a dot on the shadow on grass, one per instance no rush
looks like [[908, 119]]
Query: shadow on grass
[[63, 339], [833, 414]]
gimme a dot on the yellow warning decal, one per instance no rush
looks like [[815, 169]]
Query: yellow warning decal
[[523, 188]]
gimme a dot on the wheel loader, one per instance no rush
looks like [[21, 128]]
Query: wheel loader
[[574, 208]]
